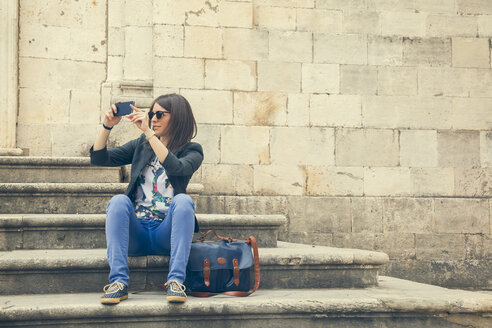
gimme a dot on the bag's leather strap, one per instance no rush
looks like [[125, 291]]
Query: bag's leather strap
[[251, 240], [202, 238]]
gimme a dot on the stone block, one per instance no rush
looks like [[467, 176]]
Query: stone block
[[387, 181], [255, 205], [209, 137], [336, 110], [472, 114], [227, 179], [203, 42], [278, 180], [401, 81], [440, 246], [427, 52], [178, 72], [230, 75], [279, 76], [115, 68], [138, 13], [260, 108], [448, 26], [486, 148], [461, 215], [319, 214], [236, 14], [245, 145], [366, 147], [168, 40], [361, 22], [367, 214], [302, 145], [137, 63], [320, 78], [458, 148], [409, 24], [436, 6], [245, 44], [210, 106], [418, 148], [432, 181], [447, 81], [474, 246], [60, 74], [334, 181], [35, 137], [485, 26], [319, 21], [391, 5], [473, 182], [64, 135], [410, 215], [298, 110], [76, 14], [41, 106], [210, 204], [406, 112], [359, 80], [191, 12], [480, 82], [44, 41], [476, 7], [471, 52], [116, 41], [311, 238], [290, 46], [115, 13], [385, 51], [84, 107], [289, 3], [275, 18], [345, 5], [340, 49]]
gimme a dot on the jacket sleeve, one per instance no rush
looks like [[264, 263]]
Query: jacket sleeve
[[118, 156], [186, 164]]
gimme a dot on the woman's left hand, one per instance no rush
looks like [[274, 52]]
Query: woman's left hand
[[140, 119]]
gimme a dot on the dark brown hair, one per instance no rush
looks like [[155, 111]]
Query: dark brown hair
[[182, 125]]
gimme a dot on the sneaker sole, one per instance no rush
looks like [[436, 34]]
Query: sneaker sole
[[113, 300], [176, 299]]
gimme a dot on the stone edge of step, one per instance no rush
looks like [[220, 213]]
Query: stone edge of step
[[393, 296], [34, 161]]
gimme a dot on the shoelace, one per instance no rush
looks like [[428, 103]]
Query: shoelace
[[175, 286], [114, 287]]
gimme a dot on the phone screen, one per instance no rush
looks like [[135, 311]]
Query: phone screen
[[123, 108]]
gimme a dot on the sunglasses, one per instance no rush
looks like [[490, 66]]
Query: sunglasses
[[157, 114]]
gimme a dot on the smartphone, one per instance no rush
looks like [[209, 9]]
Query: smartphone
[[123, 108]]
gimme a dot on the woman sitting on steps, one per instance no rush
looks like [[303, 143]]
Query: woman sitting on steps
[[155, 216]]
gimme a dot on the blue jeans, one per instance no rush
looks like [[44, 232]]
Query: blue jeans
[[128, 236]]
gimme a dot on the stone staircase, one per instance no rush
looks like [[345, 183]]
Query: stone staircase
[[53, 267]]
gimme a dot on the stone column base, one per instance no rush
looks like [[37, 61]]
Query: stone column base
[[11, 152]]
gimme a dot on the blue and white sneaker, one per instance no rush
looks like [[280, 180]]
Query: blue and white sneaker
[[114, 293], [175, 292]]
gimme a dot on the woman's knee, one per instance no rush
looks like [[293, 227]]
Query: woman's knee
[[183, 199], [119, 202]]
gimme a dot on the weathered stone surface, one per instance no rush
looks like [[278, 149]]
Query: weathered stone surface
[[209, 137], [168, 40], [486, 148], [387, 181], [245, 145], [474, 7], [413, 215], [210, 106], [471, 114], [436, 6], [440, 247], [52, 107], [35, 137], [458, 82], [397, 81], [386, 50], [334, 181], [418, 148], [340, 49], [255, 205], [473, 182], [458, 148], [202, 42], [275, 18], [455, 215], [484, 26], [341, 4], [320, 78], [138, 60], [446, 25], [278, 180], [279, 76], [290, 46], [260, 108], [391, 5], [369, 147], [228, 179], [430, 181], [367, 214], [319, 21], [81, 107], [358, 80], [236, 14], [193, 12], [298, 110], [471, 52], [361, 22], [65, 134], [403, 23], [406, 112], [245, 44], [427, 52], [336, 110], [178, 72], [302, 145], [230, 75]]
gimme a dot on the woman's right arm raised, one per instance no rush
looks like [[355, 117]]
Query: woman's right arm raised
[[110, 120]]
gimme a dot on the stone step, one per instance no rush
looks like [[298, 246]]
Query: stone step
[[65, 231], [394, 303], [61, 198], [25, 169], [86, 270]]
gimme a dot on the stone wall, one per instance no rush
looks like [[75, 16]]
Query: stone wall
[[367, 122]]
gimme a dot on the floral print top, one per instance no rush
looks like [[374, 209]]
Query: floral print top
[[154, 192]]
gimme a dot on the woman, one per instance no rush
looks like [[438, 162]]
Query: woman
[[155, 216]]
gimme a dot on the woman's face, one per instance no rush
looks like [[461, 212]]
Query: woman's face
[[160, 125]]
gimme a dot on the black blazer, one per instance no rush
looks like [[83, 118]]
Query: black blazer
[[179, 167]]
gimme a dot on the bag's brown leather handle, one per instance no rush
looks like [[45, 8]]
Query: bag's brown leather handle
[[202, 238], [251, 240]]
